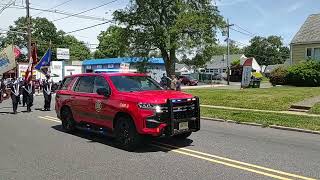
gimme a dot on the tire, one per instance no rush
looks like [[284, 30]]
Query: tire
[[183, 136], [68, 123], [126, 135]]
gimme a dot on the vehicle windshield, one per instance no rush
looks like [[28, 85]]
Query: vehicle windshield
[[135, 83]]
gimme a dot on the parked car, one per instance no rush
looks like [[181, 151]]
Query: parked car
[[188, 80], [128, 106]]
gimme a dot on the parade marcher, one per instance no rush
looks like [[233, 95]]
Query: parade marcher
[[47, 90], [15, 95], [164, 81], [178, 84], [24, 94], [2, 89], [173, 84], [29, 91]]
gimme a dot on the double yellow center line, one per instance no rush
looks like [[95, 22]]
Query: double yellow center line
[[218, 159]]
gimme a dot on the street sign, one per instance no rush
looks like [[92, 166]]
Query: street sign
[[63, 53], [246, 73]]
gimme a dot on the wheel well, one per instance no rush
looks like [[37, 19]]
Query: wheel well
[[120, 114], [64, 108]]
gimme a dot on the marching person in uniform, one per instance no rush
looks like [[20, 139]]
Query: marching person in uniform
[[15, 95], [2, 89], [24, 94], [47, 90], [29, 91]]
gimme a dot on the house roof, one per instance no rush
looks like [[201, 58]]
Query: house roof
[[309, 31], [120, 60], [221, 61]]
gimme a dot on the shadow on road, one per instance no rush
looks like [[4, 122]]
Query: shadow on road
[[144, 148]]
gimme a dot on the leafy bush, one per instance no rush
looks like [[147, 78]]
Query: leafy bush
[[278, 76], [257, 75], [304, 74]]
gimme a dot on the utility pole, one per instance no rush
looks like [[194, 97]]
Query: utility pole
[[28, 28], [228, 50]]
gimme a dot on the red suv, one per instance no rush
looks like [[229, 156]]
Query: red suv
[[128, 106]]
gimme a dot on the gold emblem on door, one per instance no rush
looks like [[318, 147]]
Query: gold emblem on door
[[98, 106]]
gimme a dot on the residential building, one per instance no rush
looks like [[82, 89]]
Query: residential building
[[306, 43], [219, 64], [183, 69]]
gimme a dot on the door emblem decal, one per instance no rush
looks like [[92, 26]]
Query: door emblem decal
[[98, 106]]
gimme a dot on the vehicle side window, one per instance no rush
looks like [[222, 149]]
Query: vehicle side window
[[85, 84], [99, 82], [64, 85]]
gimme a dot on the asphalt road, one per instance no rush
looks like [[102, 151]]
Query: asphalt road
[[33, 146]]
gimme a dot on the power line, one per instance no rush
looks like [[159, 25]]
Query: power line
[[65, 2], [7, 5], [61, 13], [85, 11], [245, 30], [88, 27], [241, 32], [68, 14]]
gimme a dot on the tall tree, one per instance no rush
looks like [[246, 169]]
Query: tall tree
[[78, 49], [44, 32], [113, 42], [267, 51], [171, 26]]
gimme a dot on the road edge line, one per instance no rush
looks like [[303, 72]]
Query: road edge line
[[261, 125]]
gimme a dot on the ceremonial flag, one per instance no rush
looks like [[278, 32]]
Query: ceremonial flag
[[32, 61], [17, 52], [44, 64], [7, 59]]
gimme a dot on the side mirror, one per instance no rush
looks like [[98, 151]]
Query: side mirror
[[103, 92]]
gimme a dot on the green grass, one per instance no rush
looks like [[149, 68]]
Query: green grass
[[315, 109], [276, 98], [295, 121], [265, 79]]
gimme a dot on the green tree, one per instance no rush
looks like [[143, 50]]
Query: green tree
[[267, 51], [113, 42], [44, 32], [171, 26], [78, 49], [2, 41]]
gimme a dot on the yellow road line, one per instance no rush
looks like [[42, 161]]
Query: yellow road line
[[224, 163], [238, 162], [49, 119]]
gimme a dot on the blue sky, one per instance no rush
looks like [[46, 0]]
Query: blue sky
[[259, 17], [267, 17]]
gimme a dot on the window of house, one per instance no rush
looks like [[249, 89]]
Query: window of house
[[316, 53], [309, 52]]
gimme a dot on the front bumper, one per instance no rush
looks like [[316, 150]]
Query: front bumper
[[175, 111]]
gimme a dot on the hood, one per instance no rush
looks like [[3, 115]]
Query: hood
[[155, 97]]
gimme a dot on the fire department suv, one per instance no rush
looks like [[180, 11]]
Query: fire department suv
[[129, 106]]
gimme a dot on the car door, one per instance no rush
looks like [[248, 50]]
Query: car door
[[82, 99], [103, 109]]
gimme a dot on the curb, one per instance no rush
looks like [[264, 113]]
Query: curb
[[261, 125]]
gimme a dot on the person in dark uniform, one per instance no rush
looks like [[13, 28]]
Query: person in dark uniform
[[2, 89], [15, 95], [24, 94], [47, 90], [29, 91]]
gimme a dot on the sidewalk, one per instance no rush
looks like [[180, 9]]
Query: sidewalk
[[258, 110]]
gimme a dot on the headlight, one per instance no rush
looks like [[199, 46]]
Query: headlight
[[149, 106]]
